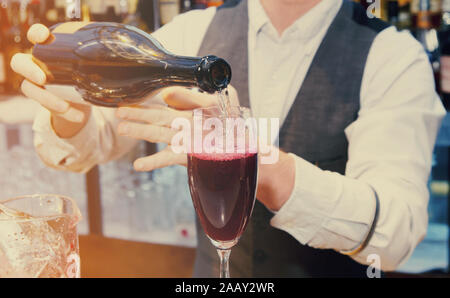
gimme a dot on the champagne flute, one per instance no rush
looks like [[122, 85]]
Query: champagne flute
[[223, 170]]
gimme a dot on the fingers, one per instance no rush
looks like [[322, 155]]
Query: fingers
[[185, 99], [157, 115], [38, 33], [159, 160], [24, 65], [53, 103], [148, 132]]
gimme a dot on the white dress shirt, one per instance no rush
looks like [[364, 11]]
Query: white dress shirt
[[390, 143]]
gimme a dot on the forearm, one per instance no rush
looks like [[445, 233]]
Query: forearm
[[327, 210], [97, 142]]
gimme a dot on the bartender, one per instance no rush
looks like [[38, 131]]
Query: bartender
[[358, 112]]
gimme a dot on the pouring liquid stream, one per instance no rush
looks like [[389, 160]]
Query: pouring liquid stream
[[224, 102]]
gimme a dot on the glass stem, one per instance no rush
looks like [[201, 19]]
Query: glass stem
[[224, 255]]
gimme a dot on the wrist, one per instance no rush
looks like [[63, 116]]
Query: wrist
[[276, 181]]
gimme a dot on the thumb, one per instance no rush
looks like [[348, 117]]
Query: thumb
[[38, 33]]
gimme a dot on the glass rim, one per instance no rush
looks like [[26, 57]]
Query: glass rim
[[76, 213]]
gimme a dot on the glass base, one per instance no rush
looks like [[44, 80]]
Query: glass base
[[224, 244]]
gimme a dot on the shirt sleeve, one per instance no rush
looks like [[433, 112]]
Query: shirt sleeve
[[390, 149], [98, 142]]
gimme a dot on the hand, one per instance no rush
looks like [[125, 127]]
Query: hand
[[67, 118], [153, 123]]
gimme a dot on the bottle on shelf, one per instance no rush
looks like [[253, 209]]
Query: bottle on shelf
[[115, 64], [33, 16], [73, 10], [404, 15], [444, 39], [425, 32], [428, 11], [134, 16], [51, 13], [4, 21], [14, 41], [185, 5], [108, 10], [199, 4], [168, 9], [214, 3], [393, 11], [85, 12]]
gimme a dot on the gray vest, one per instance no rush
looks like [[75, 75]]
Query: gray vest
[[327, 102]]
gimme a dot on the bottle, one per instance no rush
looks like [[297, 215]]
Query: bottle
[[214, 3], [393, 13], [199, 4], [185, 5], [148, 13], [114, 64], [33, 16], [444, 38], [107, 11], [133, 17], [33, 13], [85, 12], [168, 9], [3, 27], [14, 43], [429, 10], [111, 15], [50, 17], [425, 32], [73, 10], [404, 15]]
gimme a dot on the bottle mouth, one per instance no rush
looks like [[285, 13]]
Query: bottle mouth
[[214, 74]]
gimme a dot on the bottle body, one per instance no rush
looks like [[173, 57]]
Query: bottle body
[[14, 38], [426, 11], [444, 37], [114, 64], [425, 32]]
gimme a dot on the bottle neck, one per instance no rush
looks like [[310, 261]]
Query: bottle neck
[[178, 70], [208, 73]]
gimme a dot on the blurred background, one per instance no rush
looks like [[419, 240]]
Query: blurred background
[[151, 214]]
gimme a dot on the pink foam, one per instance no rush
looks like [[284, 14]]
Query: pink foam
[[222, 156]]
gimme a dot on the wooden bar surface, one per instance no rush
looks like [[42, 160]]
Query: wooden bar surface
[[109, 258]]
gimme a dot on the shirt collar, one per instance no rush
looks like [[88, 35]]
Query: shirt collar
[[305, 27]]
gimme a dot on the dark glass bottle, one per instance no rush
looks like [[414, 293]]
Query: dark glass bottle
[[14, 43], [444, 38], [427, 35], [114, 64], [393, 13], [4, 26], [428, 11]]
